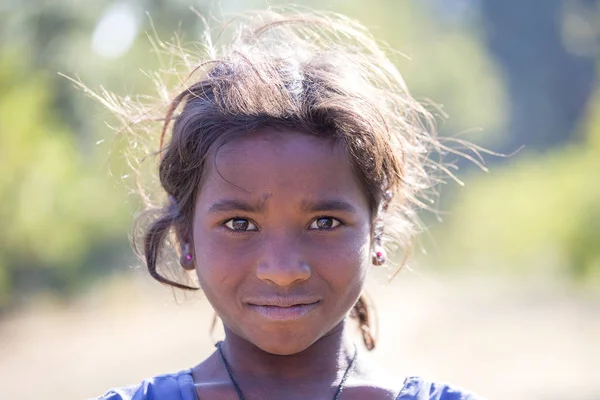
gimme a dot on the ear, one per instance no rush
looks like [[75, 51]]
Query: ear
[[183, 234], [186, 249], [186, 260], [378, 253], [185, 240]]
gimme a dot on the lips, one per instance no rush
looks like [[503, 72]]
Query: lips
[[279, 308]]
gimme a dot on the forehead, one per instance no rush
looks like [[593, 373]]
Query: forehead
[[283, 164]]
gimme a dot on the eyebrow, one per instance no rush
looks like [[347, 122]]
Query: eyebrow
[[327, 205], [236, 205]]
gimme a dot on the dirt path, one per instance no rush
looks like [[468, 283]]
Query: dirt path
[[525, 341]]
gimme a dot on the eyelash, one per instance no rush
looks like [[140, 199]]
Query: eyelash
[[239, 230], [249, 221], [339, 223]]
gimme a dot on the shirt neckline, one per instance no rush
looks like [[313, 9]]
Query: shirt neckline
[[411, 386]]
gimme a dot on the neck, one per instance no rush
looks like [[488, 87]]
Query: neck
[[326, 358]]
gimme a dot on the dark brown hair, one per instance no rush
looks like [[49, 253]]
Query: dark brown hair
[[322, 74]]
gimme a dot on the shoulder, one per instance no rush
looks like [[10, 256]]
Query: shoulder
[[416, 388], [177, 386]]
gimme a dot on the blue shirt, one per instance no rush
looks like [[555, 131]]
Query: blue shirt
[[180, 386]]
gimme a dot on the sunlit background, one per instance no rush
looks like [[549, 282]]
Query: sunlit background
[[503, 294]]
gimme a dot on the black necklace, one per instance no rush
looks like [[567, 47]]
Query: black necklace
[[338, 392]]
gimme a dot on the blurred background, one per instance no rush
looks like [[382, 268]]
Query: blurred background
[[503, 296]]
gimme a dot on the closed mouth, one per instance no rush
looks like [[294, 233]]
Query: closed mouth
[[282, 302], [283, 305], [283, 310]]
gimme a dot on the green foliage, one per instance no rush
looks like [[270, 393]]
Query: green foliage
[[55, 205], [540, 212]]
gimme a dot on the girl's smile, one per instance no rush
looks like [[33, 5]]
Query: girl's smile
[[282, 235], [282, 307], [283, 313]]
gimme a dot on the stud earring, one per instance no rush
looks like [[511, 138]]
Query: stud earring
[[379, 257], [186, 259]]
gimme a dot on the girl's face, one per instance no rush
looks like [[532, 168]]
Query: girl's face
[[281, 236]]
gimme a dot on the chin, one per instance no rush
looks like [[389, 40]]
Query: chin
[[284, 342]]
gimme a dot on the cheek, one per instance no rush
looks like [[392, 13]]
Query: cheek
[[222, 262], [208, 258], [342, 260]]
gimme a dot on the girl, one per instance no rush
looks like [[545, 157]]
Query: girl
[[292, 161]]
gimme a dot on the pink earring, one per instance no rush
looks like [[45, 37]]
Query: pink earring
[[379, 258], [186, 261]]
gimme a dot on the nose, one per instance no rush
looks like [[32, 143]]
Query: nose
[[281, 262]]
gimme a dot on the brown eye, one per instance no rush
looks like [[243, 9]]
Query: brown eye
[[240, 224], [325, 223]]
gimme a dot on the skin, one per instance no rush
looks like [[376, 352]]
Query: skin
[[282, 214]]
